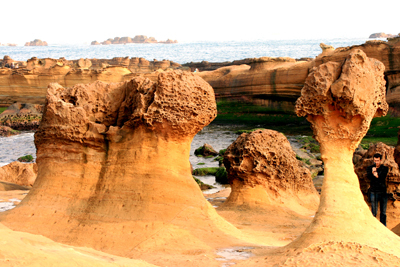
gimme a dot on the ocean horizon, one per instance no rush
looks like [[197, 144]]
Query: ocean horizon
[[182, 53]]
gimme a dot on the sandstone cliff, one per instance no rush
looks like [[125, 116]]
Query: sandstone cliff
[[28, 83], [277, 82], [114, 171]]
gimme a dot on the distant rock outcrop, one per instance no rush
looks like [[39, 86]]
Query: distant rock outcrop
[[138, 39], [36, 42], [114, 171], [382, 35], [263, 172]]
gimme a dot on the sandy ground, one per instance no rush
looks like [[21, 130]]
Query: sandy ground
[[274, 229]]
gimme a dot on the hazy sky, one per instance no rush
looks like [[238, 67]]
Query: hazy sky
[[83, 21]]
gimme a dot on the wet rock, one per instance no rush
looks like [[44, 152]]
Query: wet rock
[[205, 151]]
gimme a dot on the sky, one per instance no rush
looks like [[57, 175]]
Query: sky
[[84, 21]]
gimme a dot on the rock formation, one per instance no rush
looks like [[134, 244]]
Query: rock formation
[[22, 116], [29, 82], [340, 100], [114, 171], [265, 81], [273, 82], [277, 82], [36, 42], [263, 172], [382, 35], [19, 173], [393, 179], [138, 39]]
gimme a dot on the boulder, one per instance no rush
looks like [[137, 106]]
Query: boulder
[[114, 171], [205, 151], [23, 174], [263, 172], [6, 131]]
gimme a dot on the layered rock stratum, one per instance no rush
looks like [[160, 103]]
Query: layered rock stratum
[[273, 82], [114, 171], [264, 174], [28, 83]]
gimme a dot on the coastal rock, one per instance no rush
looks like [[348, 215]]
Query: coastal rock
[[382, 35], [19, 173], [6, 131], [22, 116], [138, 39], [31, 79], [36, 42], [205, 151], [340, 100], [263, 172], [114, 171], [278, 85]]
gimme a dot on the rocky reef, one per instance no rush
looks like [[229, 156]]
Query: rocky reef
[[383, 35], [138, 39], [22, 117], [36, 42], [264, 173]]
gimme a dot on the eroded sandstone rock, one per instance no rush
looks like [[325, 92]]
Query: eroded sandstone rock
[[263, 172], [19, 173], [31, 79], [340, 100], [114, 171]]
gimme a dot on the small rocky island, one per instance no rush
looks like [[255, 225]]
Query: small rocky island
[[138, 39], [383, 35], [36, 42]]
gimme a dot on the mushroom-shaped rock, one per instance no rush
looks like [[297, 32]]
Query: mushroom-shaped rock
[[340, 100], [263, 172], [114, 171]]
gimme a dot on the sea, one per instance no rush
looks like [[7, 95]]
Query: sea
[[20, 145], [183, 52]]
